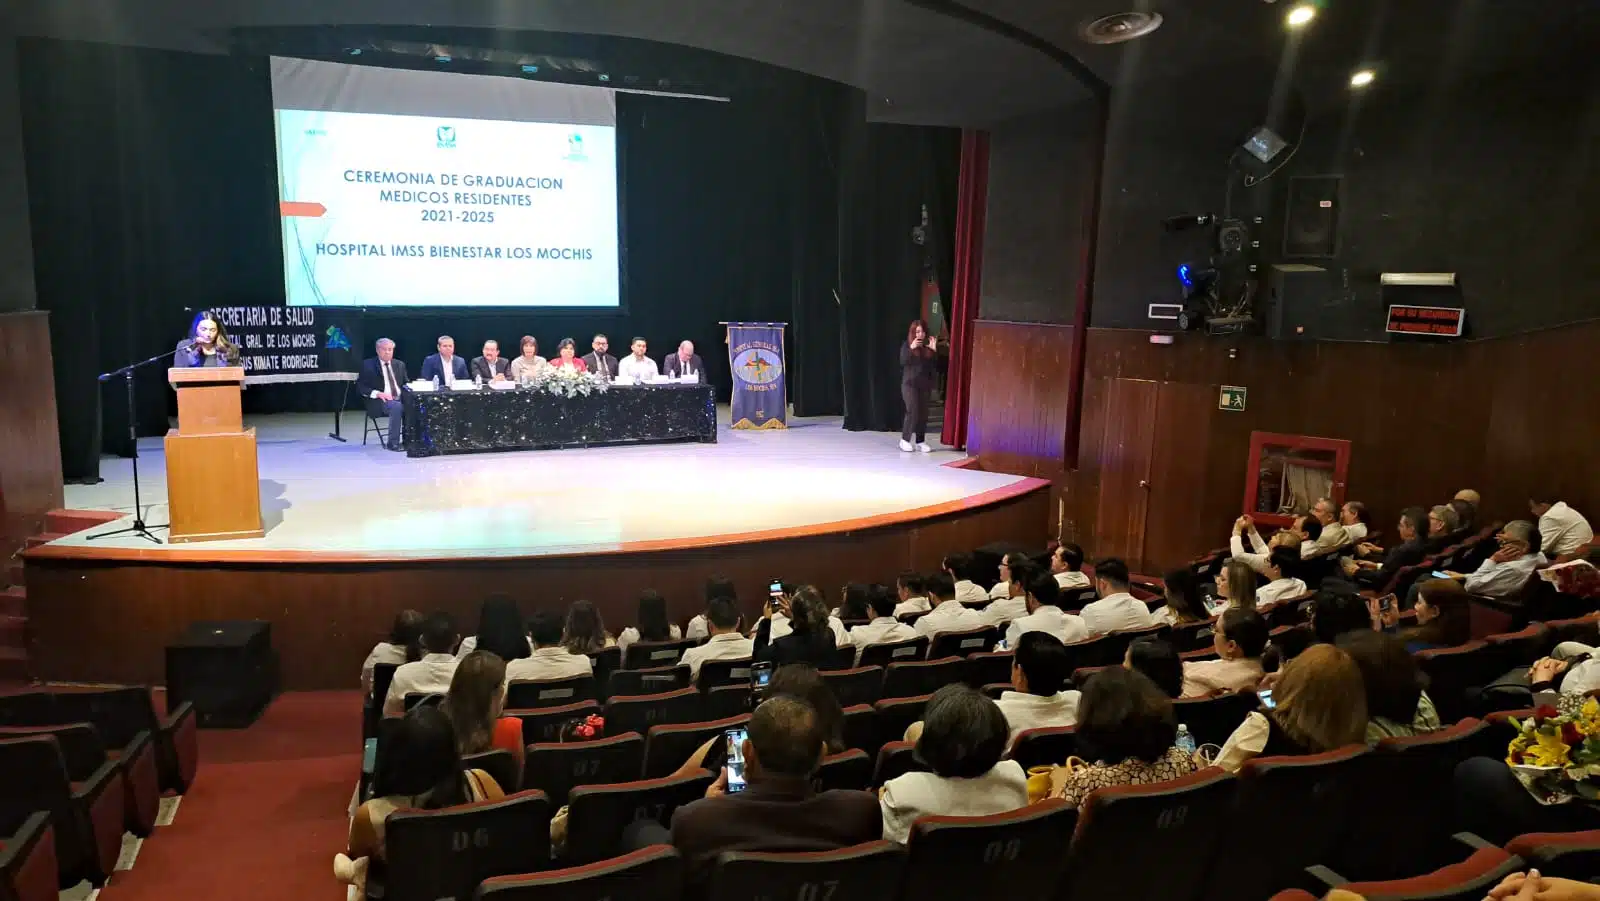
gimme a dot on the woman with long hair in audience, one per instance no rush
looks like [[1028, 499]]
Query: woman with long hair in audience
[[585, 633], [1127, 730], [964, 736], [653, 624], [853, 607], [501, 631], [420, 770], [1444, 616], [812, 640], [1397, 705], [1158, 660], [1236, 584], [797, 680], [1186, 603], [1319, 703], [404, 645], [474, 703]]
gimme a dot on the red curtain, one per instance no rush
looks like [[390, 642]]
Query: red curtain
[[972, 196]]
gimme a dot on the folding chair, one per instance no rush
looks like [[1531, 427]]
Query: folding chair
[[598, 814], [438, 854], [655, 654], [543, 724], [529, 694], [970, 857], [868, 872], [648, 874], [918, 677], [894, 652], [28, 868], [637, 713], [1050, 746], [633, 682], [896, 758], [86, 817], [1466, 880], [556, 769], [962, 644], [850, 769], [667, 747], [861, 685]]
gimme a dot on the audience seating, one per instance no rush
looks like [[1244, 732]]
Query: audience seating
[[1565, 855], [1078, 598], [895, 716], [1017, 853], [1308, 801], [1212, 720], [921, 677], [556, 768], [861, 728], [987, 669], [724, 701], [527, 694], [85, 753], [632, 682], [844, 657], [1099, 650], [910, 619], [655, 654], [869, 872], [961, 644], [724, 672], [1466, 880], [995, 690], [1051, 745], [86, 817], [667, 747], [120, 714], [1585, 629], [27, 708], [648, 874], [1191, 636], [1451, 671], [372, 711], [606, 661], [977, 605], [499, 764], [850, 769], [543, 724], [28, 860], [1519, 648], [895, 758], [1121, 640], [1288, 611], [415, 699], [1186, 814], [637, 713], [1080, 676], [894, 652], [861, 685], [439, 854], [598, 814]]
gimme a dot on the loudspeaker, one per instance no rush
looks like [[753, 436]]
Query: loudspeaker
[[1304, 303], [225, 668], [1311, 216]]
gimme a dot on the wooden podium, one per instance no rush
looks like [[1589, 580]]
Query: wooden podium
[[212, 487]]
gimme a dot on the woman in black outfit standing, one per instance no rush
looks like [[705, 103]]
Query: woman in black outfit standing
[[919, 362]]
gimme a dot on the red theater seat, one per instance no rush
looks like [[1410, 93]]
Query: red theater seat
[[860, 685], [655, 654], [975, 857], [850, 769], [1568, 855], [1469, 880], [28, 861], [1049, 746], [667, 747], [637, 713], [86, 817], [895, 759], [918, 677], [557, 768], [648, 874], [963, 644], [531, 693], [85, 753], [597, 814], [432, 855], [869, 872]]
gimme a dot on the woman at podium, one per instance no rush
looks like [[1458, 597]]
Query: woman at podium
[[206, 345]]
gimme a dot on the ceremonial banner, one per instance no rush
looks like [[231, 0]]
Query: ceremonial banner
[[760, 393], [293, 344]]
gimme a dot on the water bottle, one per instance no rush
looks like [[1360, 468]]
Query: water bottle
[[477, 380], [1185, 741], [436, 383]]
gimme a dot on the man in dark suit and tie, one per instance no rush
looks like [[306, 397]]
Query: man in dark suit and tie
[[684, 362], [379, 383], [490, 367], [445, 365], [601, 362]]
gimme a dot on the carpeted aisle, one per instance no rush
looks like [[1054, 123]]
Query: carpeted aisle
[[266, 813]]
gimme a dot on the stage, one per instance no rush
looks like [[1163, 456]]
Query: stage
[[356, 532]]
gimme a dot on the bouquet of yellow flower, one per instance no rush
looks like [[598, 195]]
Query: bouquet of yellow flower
[[1556, 756]]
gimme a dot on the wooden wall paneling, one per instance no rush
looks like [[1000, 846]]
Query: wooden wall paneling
[[1018, 412], [30, 444], [1179, 475], [1125, 461], [1543, 425], [1080, 488]]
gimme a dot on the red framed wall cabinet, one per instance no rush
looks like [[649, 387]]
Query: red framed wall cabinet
[[1286, 474]]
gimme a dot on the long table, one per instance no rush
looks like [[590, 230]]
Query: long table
[[458, 422]]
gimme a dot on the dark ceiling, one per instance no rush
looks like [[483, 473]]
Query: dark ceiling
[[918, 62]]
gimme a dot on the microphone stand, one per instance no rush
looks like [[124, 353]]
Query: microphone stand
[[138, 528]]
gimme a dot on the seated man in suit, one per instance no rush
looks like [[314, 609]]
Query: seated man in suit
[[599, 362], [379, 383], [444, 365], [490, 367], [684, 362]]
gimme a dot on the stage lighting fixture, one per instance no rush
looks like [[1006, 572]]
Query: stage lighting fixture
[[1362, 78], [1301, 15]]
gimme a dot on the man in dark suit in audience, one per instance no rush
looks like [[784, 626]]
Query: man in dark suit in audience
[[444, 365], [684, 361], [600, 362], [491, 366], [777, 811], [379, 382]]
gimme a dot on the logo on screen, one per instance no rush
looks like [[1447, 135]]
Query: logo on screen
[[337, 339], [575, 147], [447, 137]]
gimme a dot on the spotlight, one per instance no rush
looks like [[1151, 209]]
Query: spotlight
[[1362, 78], [1301, 15]]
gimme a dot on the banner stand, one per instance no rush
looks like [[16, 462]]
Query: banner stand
[[760, 390]]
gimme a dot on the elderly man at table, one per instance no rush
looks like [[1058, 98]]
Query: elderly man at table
[[379, 382], [598, 361], [636, 367], [684, 362], [444, 365], [491, 367]]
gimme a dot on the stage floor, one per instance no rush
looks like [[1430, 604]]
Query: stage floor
[[325, 501]]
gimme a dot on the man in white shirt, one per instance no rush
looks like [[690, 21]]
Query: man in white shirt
[[432, 674], [716, 587], [1117, 610], [883, 629], [1506, 573], [959, 568], [1245, 527], [948, 615], [1279, 562], [1353, 516], [1003, 588], [1066, 565], [1563, 529], [725, 644], [1239, 638], [1332, 536], [1044, 615], [910, 592], [1014, 603], [636, 367], [1039, 673], [550, 660]]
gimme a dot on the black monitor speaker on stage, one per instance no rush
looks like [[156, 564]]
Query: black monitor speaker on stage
[[226, 668]]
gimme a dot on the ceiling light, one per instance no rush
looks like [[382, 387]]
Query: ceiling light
[[1362, 78], [1301, 15]]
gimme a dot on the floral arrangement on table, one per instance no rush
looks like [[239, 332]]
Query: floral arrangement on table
[[566, 382], [1556, 755]]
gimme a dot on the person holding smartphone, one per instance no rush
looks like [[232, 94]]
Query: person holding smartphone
[[919, 370]]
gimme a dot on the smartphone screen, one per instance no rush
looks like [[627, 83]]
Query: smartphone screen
[[1266, 699], [735, 764], [1386, 602], [760, 675], [775, 589], [1439, 575]]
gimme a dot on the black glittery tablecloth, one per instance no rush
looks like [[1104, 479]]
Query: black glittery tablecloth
[[456, 422]]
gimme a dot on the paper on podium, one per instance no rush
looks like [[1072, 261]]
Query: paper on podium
[[420, 385], [463, 385]]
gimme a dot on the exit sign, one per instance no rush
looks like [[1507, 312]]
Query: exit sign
[[1232, 397]]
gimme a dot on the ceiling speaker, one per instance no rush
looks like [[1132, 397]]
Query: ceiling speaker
[[1119, 27]]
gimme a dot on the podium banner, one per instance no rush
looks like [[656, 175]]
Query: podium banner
[[760, 393], [293, 343]]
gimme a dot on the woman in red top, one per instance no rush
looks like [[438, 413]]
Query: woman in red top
[[567, 355], [477, 696]]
